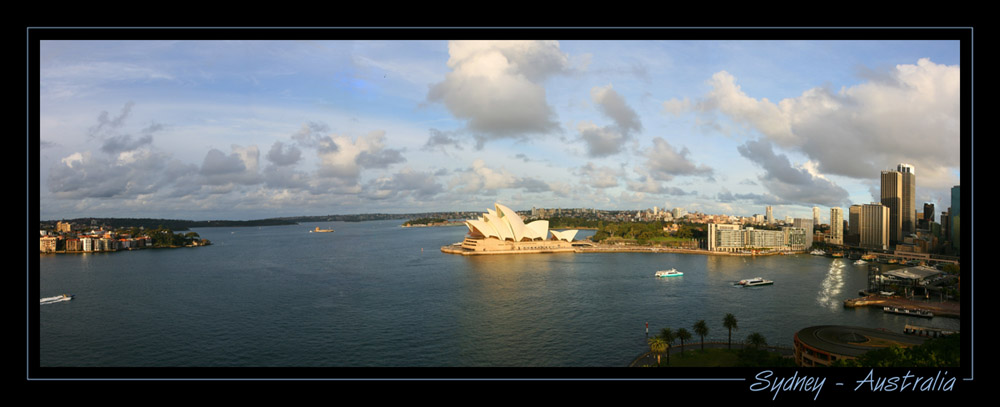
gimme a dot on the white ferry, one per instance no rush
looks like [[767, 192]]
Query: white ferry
[[669, 273], [755, 282]]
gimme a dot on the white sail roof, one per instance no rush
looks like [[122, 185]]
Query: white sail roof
[[504, 223]]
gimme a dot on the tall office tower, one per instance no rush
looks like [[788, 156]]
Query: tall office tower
[[928, 215], [875, 226], [770, 216], [854, 219], [956, 217], [808, 226], [816, 216], [892, 197], [836, 226], [908, 204]]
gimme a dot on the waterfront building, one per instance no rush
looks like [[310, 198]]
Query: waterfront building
[[874, 226], [501, 230], [63, 227], [822, 345], [892, 197], [795, 238], [47, 244], [907, 203], [734, 238], [807, 225]]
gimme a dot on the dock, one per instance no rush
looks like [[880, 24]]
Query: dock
[[950, 309]]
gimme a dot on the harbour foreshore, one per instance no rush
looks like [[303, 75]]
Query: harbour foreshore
[[599, 248]]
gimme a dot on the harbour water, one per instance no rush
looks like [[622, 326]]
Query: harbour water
[[373, 294]]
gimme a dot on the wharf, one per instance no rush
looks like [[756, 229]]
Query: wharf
[[949, 309]]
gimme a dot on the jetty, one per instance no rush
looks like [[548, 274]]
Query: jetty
[[949, 309]]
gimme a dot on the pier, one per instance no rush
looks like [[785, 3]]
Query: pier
[[950, 309]]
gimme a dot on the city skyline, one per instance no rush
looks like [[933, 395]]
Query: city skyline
[[258, 129]]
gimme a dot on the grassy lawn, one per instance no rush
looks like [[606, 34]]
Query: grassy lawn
[[702, 358]]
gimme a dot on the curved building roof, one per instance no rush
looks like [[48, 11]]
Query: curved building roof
[[505, 224], [852, 341]]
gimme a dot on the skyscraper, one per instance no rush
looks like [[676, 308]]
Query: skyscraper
[[816, 216], [854, 220], [908, 202], [875, 226], [770, 216], [928, 215], [836, 226], [892, 196]]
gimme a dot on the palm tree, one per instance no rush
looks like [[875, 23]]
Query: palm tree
[[701, 328], [730, 323], [657, 345], [683, 335], [668, 336], [756, 340]]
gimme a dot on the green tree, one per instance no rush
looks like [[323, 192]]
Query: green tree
[[756, 340], [701, 328], [668, 337], [657, 345], [683, 335], [730, 323]]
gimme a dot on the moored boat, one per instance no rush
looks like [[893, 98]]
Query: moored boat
[[908, 311]]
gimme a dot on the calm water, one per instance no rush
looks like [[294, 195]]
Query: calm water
[[375, 294]]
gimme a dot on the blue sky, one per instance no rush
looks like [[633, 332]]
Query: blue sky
[[256, 129]]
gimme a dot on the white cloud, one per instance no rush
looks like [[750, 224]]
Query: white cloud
[[496, 86]]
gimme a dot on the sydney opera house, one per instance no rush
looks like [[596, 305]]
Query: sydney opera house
[[502, 231]]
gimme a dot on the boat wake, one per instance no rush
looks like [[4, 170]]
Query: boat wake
[[53, 300], [832, 286]]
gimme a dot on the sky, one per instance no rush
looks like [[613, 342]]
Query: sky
[[239, 130]]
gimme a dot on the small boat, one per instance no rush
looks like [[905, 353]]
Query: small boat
[[58, 298], [755, 282], [817, 252], [908, 311], [669, 273], [318, 230], [860, 262]]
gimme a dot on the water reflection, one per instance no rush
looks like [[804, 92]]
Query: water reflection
[[831, 287]]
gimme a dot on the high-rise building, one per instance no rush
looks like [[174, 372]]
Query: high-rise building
[[770, 215], [956, 218], [908, 202], [892, 197], [875, 226], [928, 215], [854, 219], [807, 225], [815, 216], [836, 226]]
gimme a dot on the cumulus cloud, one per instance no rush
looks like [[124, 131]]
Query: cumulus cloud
[[598, 177], [282, 155], [418, 185], [344, 163], [239, 167], [496, 86], [789, 183], [664, 162], [603, 141], [441, 139], [909, 114]]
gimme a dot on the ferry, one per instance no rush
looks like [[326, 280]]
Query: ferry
[[669, 273], [908, 311], [860, 262], [755, 282], [318, 230], [817, 252]]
